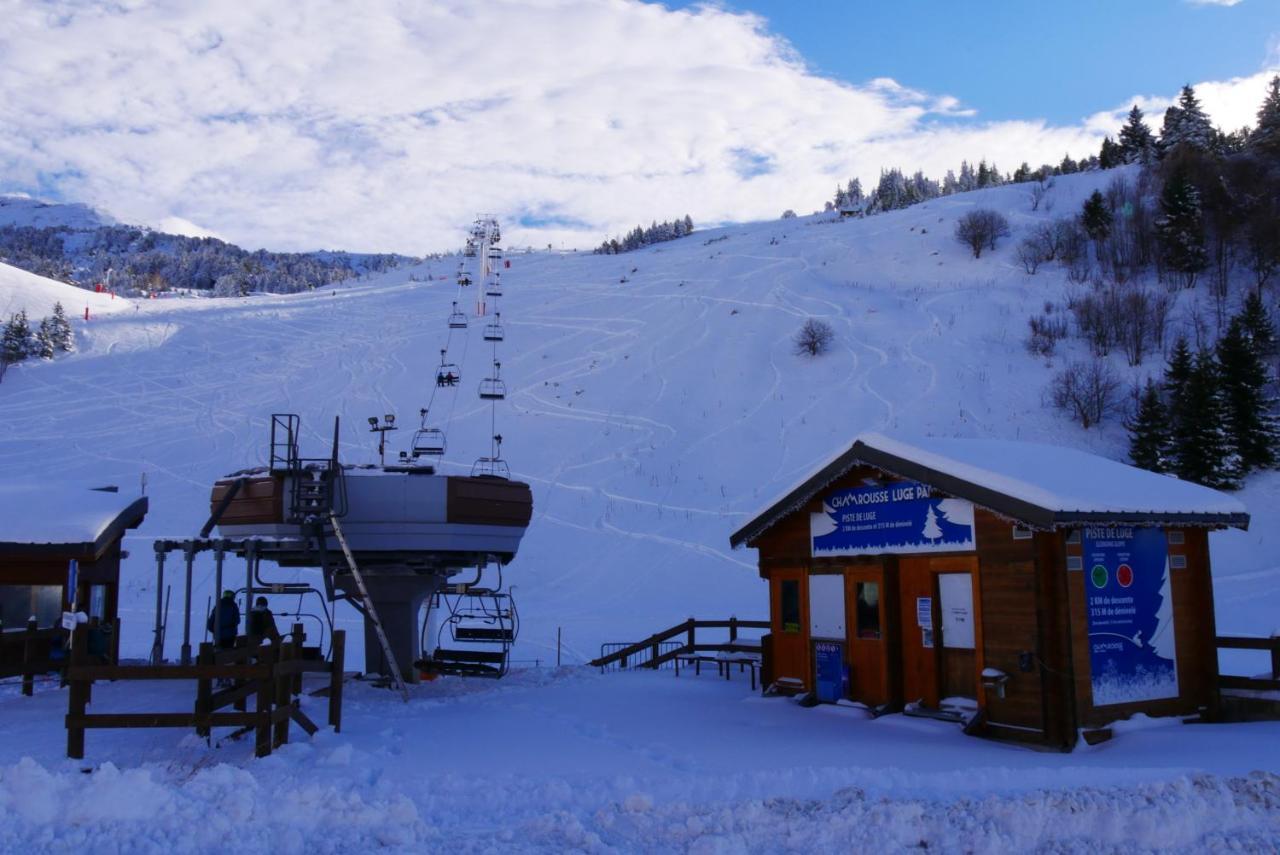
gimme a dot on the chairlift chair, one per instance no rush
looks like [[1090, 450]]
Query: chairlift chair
[[495, 253], [494, 331], [491, 467], [428, 442], [457, 320], [493, 388], [448, 374], [464, 279]]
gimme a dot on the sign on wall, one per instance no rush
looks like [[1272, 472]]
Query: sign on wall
[[901, 517], [1132, 655], [826, 606], [829, 670]]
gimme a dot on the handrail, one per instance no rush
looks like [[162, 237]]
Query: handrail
[[688, 628]]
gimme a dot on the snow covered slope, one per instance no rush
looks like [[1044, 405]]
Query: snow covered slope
[[655, 398], [22, 290]]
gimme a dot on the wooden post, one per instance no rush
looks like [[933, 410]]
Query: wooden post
[[335, 679], [299, 636], [266, 697], [204, 690], [1275, 657], [690, 633], [28, 656], [733, 629], [77, 695], [283, 685]]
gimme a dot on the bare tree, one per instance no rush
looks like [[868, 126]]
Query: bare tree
[[980, 229], [1039, 190], [1089, 391], [1032, 254], [814, 338]]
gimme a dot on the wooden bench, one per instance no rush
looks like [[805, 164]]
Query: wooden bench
[[744, 661]]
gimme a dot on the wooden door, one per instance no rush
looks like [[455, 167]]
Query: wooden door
[[868, 631], [789, 622], [917, 651], [956, 619]]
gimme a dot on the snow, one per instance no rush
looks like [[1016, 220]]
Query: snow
[[22, 290], [1056, 478], [648, 417], [43, 513], [20, 210]]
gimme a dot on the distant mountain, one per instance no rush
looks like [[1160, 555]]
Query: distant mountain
[[25, 211], [73, 243]]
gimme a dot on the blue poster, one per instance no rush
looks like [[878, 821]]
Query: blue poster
[[901, 517], [829, 671], [1132, 654]]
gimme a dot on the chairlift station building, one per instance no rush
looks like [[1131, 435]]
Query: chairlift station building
[[1028, 590]]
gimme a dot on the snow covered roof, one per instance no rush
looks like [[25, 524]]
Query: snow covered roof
[[1043, 486], [63, 519]]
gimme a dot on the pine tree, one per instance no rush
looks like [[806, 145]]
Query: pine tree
[[1266, 137], [16, 343], [1111, 155], [1250, 412], [1136, 141], [1258, 328], [43, 346], [1180, 228], [1177, 375], [63, 338], [1149, 439], [1096, 217], [1202, 450], [1186, 124]]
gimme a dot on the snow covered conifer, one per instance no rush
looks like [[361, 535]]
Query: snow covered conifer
[[16, 345], [1180, 228], [1149, 440], [63, 337], [1136, 140], [44, 347], [1250, 418], [1186, 124], [1096, 217], [1266, 137], [1258, 328], [1202, 450], [1111, 155]]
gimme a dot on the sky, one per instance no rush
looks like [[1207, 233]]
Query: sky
[[304, 126]]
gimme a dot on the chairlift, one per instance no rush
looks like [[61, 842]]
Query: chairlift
[[494, 289], [479, 625], [464, 279], [493, 331], [470, 251], [495, 253], [457, 320], [491, 467], [428, 442], [448, 374], [492, 388]]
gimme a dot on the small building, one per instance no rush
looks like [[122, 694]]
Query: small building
[[43, 528], [1027, 590]]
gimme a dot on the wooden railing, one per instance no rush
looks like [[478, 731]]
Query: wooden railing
[[656, 650], [26, 652], [1237, 642], [271, 673]]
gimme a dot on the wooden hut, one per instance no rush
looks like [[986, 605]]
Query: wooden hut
[[1027, 590], [43, 528]]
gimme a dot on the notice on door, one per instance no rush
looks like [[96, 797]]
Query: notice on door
[[924, 612], [956, 592], [1132, 654]]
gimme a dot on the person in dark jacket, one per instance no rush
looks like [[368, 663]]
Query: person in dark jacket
[[224, 621], [262, 623]]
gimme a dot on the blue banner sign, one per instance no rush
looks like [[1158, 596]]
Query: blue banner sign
[[829, 671], [902, 517], [1132, 655]]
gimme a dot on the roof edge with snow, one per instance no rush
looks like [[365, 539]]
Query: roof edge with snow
[[972, 483]]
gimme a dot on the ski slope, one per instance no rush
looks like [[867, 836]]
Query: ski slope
[[655, 398], [654, 402], [37, 295]]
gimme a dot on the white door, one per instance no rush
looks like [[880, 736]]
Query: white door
[[956, 592], [826, 606]]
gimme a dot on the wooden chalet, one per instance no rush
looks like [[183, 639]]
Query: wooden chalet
[[1029, 591], [43, 528]]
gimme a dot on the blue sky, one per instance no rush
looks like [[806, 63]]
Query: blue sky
[[1071, 59]]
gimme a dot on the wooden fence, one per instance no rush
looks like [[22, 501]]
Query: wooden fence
[[656, 650], [270, 673], [26, 653], [1236, 642]]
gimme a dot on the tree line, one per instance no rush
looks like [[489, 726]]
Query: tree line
[[642, 237], [139, 261], [20, 341]]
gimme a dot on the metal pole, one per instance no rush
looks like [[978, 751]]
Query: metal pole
[[250, 564], [157, 652], [558, 647], [189, 553]]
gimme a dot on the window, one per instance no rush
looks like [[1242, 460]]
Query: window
[[98, 601], [1020, 533], [790, 605], [867, 606], [19, 602]]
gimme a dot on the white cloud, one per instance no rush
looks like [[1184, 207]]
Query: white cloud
[[1214, 2], [388, 128]]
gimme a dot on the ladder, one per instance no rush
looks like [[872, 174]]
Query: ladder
[[370, 612]]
